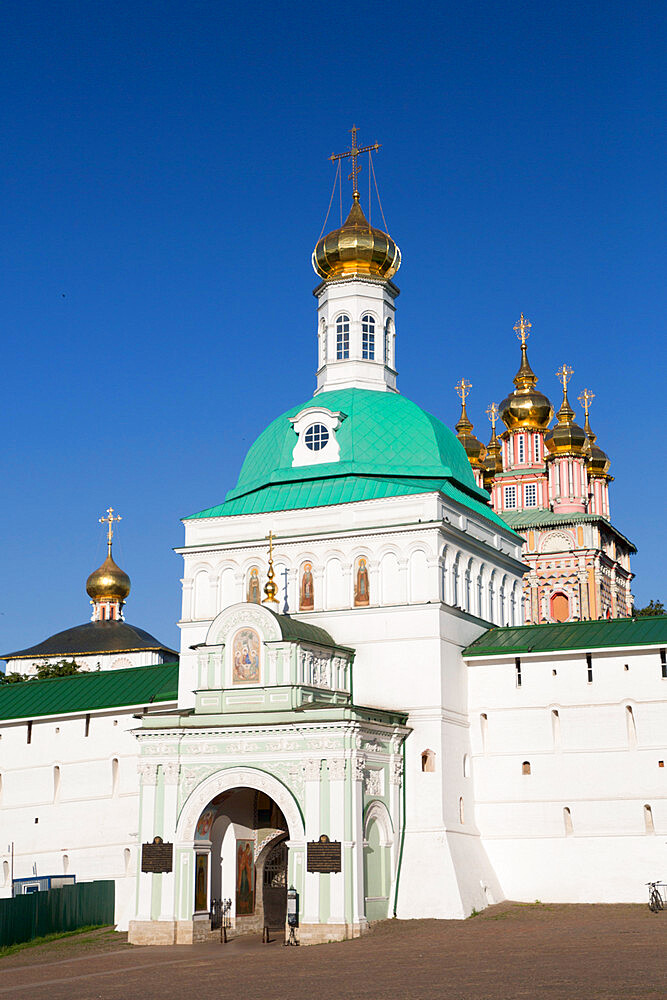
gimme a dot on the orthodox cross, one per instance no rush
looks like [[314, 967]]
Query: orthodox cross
[[270, 589], [564, 374], [109, 520], [492, 414], [463, 389], [522, 329], [285, 574], [586, 398], [354, 153]]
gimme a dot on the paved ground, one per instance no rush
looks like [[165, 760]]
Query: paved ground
[[510, 951]]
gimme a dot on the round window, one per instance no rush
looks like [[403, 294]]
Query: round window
[[316, 437]]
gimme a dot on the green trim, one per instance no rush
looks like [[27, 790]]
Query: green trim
[[90, 690], [569, 636], [400, 850]]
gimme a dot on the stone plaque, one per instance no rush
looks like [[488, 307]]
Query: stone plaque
[[324, 855], [157, 857]]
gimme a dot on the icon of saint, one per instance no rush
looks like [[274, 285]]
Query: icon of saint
[[361, 595], [307, 594]]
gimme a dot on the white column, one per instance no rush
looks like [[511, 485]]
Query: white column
[[148, 778], [170, 770], [311, 904], [337, 832]]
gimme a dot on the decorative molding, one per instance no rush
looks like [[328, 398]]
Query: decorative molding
[[171, 771], [147, 773], [336, 768]]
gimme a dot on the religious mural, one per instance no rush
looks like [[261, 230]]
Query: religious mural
[[245, 877], [253, 587], [204, 825], [201, 882], [361, 598], [307, 593], [246, 657]]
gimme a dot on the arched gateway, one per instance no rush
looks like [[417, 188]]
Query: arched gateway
[[265, 784], [241, 838]]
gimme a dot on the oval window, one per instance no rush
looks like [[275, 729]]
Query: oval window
[[316, 437]]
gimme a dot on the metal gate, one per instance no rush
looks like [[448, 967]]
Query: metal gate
[[274, 886]]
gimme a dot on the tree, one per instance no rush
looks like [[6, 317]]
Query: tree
[[651, 609], [63, 668], [12, 678]]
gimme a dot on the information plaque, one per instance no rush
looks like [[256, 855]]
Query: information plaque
[[323, 856], [157, 857]]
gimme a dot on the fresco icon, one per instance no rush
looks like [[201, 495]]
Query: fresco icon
[[246, 657]]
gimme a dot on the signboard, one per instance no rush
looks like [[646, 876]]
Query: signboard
[[157, 857], [323, 856]]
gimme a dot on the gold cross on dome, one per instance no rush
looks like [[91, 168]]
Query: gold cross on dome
[[492, 414], [270, 538], [463, 388], [522, 329], [354, 153], [564, 374], [109, 519], [586, 398]]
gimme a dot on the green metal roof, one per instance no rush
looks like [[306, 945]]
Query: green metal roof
[[569, 636], [389, 447], [293, 629], [539, 518], [89, 691]]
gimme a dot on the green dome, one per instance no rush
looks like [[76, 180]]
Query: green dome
[[381, 434]]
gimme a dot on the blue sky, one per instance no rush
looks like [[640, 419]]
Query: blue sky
[[164, 180]]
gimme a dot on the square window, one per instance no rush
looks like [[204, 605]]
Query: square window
[[510, 497], [530, 495]]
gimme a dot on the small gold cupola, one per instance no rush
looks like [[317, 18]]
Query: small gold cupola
[[109, 586], [493, 463], [567, 437], [526, 406], [598, 461], [356, 248], [474, 448]]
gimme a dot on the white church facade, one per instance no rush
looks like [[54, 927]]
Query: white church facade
[[361, 713]]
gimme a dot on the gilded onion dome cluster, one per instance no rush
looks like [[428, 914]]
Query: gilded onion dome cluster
[[598, 461], [356, 248]]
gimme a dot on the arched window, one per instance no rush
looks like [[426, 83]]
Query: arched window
[[525, 767], [555, 727], [567, 820], [114, 777], [56, 783], [560, 607], [484, 728], [5, 872], [342, 337], [368, 337], [387, 343], [631, 727], [648, 819], [126, 858], [466, 765], [428, 760], [65, 863], [461, 812]]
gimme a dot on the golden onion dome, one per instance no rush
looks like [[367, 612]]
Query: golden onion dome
[[526, 406], [567, 437], [474, 448], [109, 582], [493, 463], [356, 248], [598, 461]]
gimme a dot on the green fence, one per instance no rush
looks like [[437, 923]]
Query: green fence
[[38, 913]]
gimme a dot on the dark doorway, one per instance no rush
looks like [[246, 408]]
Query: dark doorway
[[274, 885]]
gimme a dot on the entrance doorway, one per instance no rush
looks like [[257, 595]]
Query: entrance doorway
[[241, 838]]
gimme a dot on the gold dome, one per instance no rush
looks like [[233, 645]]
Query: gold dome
[[109, 582], [598, 461], [356, 248], [567, 437], [493, 463], [526, 406], [474, 448]]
